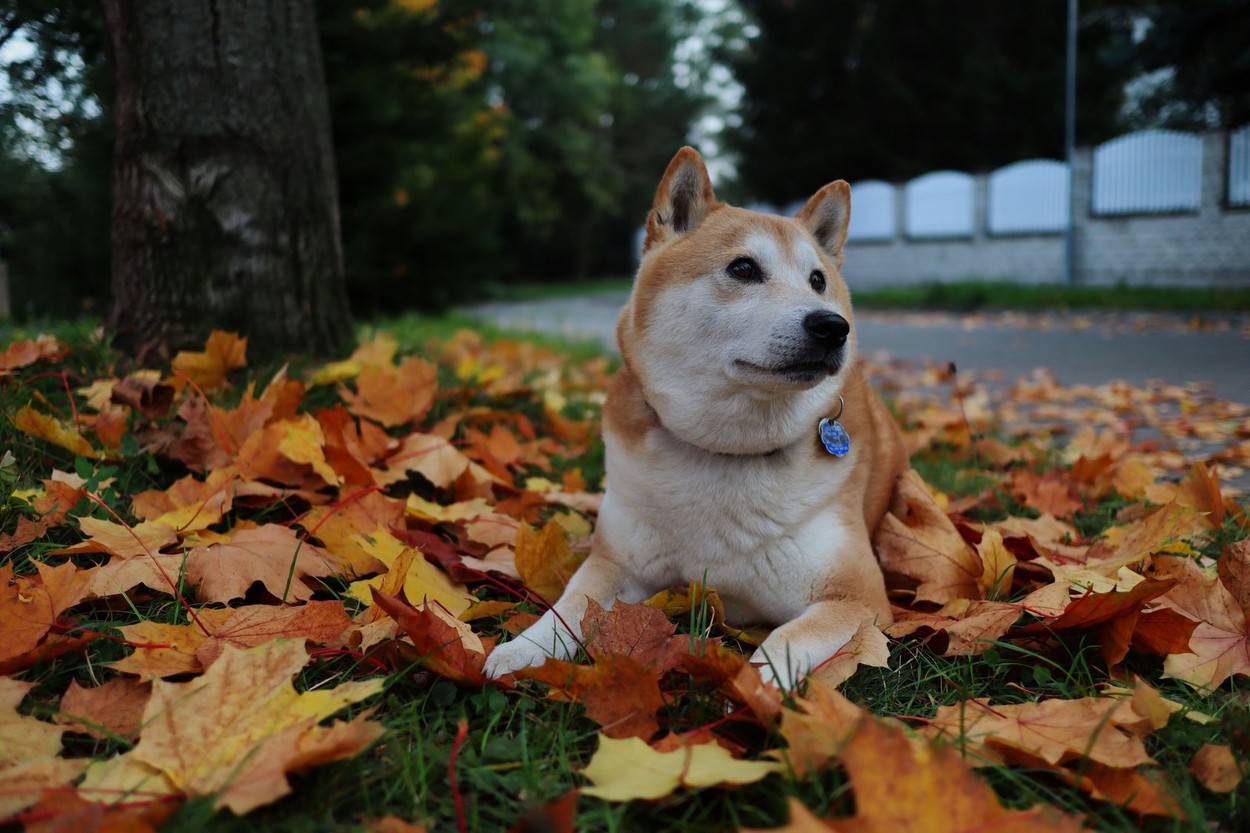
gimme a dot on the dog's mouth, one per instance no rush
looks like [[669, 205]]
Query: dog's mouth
[[804, 371]]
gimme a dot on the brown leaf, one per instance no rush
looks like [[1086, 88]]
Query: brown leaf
[[962, 627], [917, 540], [1219, 647], [445, 645], [147, 395], [1114, 615], [1216, 768], [246, 627], [710, 663], [923, 777], [24, 352], [61, 811], [1056, 731], [818, 729], [637, 631], [189, 505], [271, 554], [53, 508], [109, 710]]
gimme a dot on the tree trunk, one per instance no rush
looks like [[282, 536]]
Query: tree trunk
[[225, 210]]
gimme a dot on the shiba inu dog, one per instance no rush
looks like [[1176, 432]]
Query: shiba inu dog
[[744, 447]]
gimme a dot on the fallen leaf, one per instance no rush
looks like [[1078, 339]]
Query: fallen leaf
[[271, 554], [393, 395], [867, 646], [47, 427], [817, 728], [246, 627], [114, 709], [637, 631], [1219, 647], [962, 627], [922, 778], [1056, 731], [916, 539], [443, 643], [1216, 768], [629, 769], [544, 560], [222, 353], [28, 753], [235, 732]]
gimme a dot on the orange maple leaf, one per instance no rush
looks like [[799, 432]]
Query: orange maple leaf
[[223, 352], [930, 789], [393, 395], [917, 540], [1220, 605]]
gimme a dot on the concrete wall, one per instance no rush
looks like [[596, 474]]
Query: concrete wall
[[1209, 247]]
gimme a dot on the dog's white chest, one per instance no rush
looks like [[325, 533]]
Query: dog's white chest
[[763, 531]]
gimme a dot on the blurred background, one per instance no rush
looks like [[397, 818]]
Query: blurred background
[[482, 143]]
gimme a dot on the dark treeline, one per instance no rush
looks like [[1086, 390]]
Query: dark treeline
[[488, 141]]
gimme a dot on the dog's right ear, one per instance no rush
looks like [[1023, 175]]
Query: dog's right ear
[[683, 199]]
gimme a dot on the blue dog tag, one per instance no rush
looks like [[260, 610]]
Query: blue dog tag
[[833, 435]]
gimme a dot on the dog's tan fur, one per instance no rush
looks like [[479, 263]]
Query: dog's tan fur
[[715, 471]]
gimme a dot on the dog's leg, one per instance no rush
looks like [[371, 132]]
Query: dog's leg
[[791, 651], [559, 631]]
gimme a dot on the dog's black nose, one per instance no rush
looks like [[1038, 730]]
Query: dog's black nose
[[827, 328]]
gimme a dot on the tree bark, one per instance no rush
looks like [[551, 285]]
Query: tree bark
[[225, 208]]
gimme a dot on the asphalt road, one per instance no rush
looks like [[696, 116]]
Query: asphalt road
[[1079, 349]]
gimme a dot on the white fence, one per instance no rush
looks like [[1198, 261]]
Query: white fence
[[1156, 206], [1029, 198], [1239, 167], [1148, 172]]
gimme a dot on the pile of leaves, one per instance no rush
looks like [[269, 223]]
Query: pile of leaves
[[210, 583]]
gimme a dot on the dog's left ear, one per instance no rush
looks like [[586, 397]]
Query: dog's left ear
[[683, 199], [826, 216]]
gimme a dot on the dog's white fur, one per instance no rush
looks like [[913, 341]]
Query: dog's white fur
[[714, 469]]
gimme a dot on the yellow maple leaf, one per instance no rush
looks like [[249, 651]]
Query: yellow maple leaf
[[236, 731], [422, 580], [628, 769], [223, 352], [47, 427]]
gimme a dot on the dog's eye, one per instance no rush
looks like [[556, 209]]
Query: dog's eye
[[817, 280], [744, 269]]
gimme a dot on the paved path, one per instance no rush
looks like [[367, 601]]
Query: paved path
[[1078, 348]]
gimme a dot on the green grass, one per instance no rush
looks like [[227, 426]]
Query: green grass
[[969, 296], [524, 750]]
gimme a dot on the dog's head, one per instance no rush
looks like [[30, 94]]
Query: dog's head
[[739, 322]]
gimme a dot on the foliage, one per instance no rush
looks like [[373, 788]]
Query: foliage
[[476, 142], [55, 159], [1070, 645], [863, 90], [1192, 59]]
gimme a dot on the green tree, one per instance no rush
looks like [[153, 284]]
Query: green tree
[[1193, 60], [858, 88], [56, 148]]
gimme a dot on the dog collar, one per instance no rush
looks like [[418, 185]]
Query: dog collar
[[833, 434]]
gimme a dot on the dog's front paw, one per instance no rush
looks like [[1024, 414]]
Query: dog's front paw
[[516, 655], [779, 666]]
